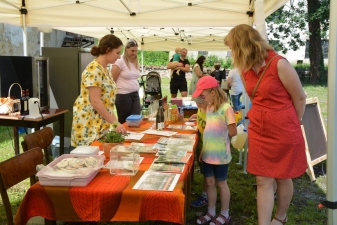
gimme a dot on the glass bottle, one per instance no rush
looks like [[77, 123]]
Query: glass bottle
[[23, 103], [27, 99], [160, 117]]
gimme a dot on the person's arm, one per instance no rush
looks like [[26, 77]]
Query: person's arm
[[229, 82], [115, 71], [97, 104], [232, 131], [192, 117], [292, 84], [173, 65], [185, 68]]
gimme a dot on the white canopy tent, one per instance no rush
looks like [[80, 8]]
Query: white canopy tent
[[192, 16], [159, 25]]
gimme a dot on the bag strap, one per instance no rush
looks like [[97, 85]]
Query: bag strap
[[264, 71]]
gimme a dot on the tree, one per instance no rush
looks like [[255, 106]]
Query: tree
[[293, 22]]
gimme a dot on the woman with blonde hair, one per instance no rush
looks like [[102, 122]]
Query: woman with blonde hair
[[275, 140], [125, 73], [93, 110]]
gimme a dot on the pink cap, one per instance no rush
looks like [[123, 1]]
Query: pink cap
[[205, 82]]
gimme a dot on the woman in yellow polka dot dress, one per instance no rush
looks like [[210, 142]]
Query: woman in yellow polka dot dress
[[93, 110]]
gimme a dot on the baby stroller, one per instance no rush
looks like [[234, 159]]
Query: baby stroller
[[152, 87]]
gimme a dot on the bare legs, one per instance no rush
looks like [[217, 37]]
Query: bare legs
[[212, 193], [285, 190], [265, 199]]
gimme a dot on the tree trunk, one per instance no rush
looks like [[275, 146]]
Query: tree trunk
[[315, 46]]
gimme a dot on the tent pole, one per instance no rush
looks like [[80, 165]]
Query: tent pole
[[24, 12], [331, 180], [259, 18], [41, 41], [24, 33], [142, 61]]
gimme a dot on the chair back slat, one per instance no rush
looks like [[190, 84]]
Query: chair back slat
[[40, 138], [15, 170]]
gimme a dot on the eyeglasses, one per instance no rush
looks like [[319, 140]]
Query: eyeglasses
[[204, 96]]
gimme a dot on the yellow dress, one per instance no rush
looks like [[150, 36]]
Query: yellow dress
[[88, 125]]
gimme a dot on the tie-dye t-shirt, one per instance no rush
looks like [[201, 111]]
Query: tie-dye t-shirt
[[216, 145]]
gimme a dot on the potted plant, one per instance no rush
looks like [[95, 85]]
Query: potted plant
[[111, 139]]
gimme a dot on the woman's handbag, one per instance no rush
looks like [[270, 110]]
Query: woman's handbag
[[8, 105]]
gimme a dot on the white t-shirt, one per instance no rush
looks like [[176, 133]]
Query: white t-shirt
[[127, 81], [236, 84]]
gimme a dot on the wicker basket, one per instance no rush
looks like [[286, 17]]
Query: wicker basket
[[8, 105]]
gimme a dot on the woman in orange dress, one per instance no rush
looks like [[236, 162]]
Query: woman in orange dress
[[275, 140]]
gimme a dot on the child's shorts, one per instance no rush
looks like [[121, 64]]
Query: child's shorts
[[218, 171]]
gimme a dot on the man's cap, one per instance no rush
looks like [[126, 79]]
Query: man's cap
[[205, 82]]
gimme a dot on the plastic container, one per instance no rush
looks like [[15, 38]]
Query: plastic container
[[85, 150], [134, 120], [239, 140], [124, 160], [238, 116], [49, 177]]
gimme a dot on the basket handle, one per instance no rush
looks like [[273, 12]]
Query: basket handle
[[9, 91]]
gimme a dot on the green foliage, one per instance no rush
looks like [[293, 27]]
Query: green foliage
[[287, 26], [153, 58], [161, 58], [211, 59], [113, 136]]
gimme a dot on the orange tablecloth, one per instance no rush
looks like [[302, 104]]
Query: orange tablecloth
[[109, 198]]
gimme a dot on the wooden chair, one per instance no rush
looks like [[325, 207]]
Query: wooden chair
[[40, 138], [15, 170]]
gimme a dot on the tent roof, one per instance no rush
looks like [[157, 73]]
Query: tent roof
[[135, 13], [162, 39], [202, 23]]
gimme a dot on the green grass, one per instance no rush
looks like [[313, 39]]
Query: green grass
[[303, 209]]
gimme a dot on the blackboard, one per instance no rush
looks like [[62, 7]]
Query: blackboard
[[314, 134]]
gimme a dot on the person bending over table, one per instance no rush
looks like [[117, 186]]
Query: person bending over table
[[93, 110], [125, 73], [178, 81]]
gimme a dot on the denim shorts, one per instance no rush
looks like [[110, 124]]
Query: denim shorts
[[218, 171]]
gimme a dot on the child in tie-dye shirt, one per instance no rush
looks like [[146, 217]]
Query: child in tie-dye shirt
[[215, 154]]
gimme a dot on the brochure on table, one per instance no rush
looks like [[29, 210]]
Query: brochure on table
[[159, 132], [157, 181], [167, 167]]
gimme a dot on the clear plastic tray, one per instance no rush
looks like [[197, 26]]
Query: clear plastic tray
[[48, 176]]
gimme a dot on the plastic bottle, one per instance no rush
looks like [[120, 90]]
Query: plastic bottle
[[239, 140], [169, 112], [181, 113], [238, 116], [174, 113]]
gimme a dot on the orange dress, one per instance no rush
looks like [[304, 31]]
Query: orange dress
[[275, 141]]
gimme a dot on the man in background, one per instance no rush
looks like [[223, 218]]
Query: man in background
[[178, 80]]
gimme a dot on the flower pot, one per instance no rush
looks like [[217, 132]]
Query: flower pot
[[108, 146]]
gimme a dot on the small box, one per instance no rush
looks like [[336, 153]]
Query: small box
[[85, 150], [124, 160], [177, 101], [134, 120]]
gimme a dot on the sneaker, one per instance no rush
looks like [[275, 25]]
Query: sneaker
[[199, 202]]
